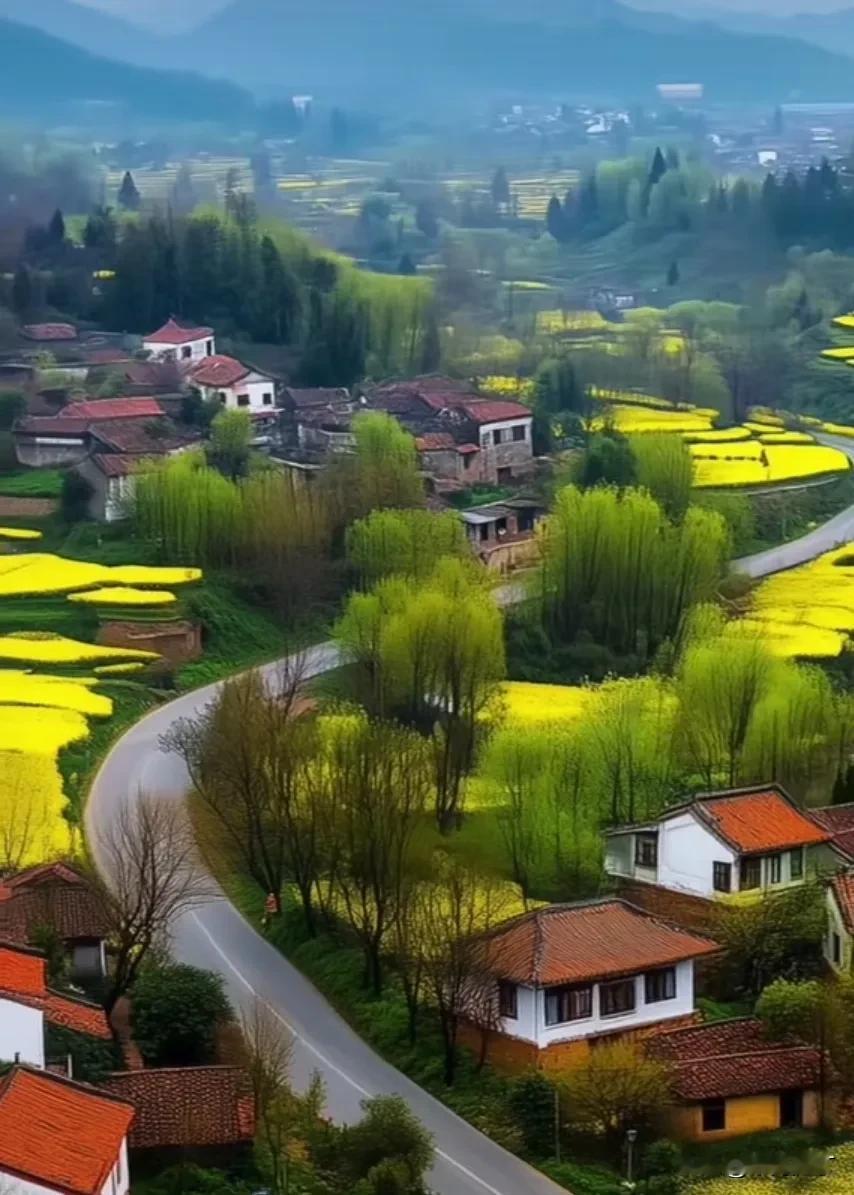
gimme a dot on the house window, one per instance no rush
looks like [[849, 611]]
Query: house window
[[504, 476], [187, 351], [835, 948], [660, 985], [615, 998], [508, 1001], [568, 1004], [520, 433], [646, 850], [222, 396], [209, 347], [496, 436], [268, 400], [243, 400], [722, 877], [714, 1116], [796, 863], [751, 874], [775, 869]]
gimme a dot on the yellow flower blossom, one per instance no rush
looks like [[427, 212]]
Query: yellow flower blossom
[[776, 463], [52, 692], [124, 596], [28, 648], [530, 704], [21, 533], [43, 573]]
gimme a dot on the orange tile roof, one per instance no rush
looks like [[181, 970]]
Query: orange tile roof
[[842, 886], [732, 1058], [194, 1107], [579, 943], [22, 971], [838, 820], [22, 979], [174, 333], [760, 821], [60, 1134]]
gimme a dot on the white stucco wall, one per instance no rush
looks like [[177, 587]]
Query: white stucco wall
[[255, 386], [21, 1033], [506, 427], [835, 924], [686, 853], [530, 1024], [198, 350]]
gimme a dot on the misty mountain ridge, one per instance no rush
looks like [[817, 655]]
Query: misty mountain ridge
[[43, 75], [383, 54]]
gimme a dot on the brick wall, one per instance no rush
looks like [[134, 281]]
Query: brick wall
[[178, 642], [693, 913]]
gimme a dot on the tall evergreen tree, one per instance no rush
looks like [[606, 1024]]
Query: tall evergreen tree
[[56, 228], [658, 169], [673, 274], [555, 219], [22, 290], [500, 188], [129, 198]]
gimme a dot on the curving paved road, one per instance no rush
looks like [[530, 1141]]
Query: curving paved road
[[216, 937], [836, 531]]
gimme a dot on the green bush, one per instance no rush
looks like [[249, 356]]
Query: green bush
[[91, 1058], [177, 1010], [583, 1180], [531, 1099]]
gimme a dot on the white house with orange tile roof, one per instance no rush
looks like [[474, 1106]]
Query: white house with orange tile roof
[[180, 342], [579, 971], [57, 1136], [233, 385], [26, 1003], [748, 839], [839, 938]]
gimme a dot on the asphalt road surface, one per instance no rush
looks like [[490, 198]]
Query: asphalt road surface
[[838, 530], [216, 937]]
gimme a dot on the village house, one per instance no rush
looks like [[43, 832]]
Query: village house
[[726, 1079], [49, 335], [233, 385], [61, 1136], [180, 342], [194, 1107], [567, 975], [839, 939], [495, 436], [503, 533], [740, 840], [51, 441], [56, 895], [27, 1003]]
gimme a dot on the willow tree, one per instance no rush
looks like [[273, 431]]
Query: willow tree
[[664, 468], [407, 542], [616, 567], [434, 654]]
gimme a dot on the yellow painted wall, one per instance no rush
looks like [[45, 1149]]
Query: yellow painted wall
[[745, 1114]]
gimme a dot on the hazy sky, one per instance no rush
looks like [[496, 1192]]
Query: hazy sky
[[182, 13]]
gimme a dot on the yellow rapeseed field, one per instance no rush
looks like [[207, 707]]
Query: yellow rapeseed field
[[838, 1179], [43, 573], [639, 420], [508, 386], [530, 704], [118, 669], [551, 323], [21, 533], [845, 321], [809, 611], [53, 692], [43, 648], [787, 438], [781, 463], [837, 429], [841, 354], [723, 435], [122, 595]]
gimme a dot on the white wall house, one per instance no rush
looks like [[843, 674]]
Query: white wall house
[[839, 937], [745, 840], [233, 385], [176, 342], [566, 972], [58, 1136]]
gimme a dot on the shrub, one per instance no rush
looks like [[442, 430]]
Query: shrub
[[91, 1059], [13, 404], [76, 494], [531, 1099], [176, 1012]]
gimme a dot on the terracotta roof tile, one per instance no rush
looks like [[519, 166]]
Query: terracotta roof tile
[[114, 408], [49, 332], [23, 980], [733, 1058], [134, 437], [174, 333], [761, 821], [51, 425], [488, 411], [435, 442], [316, 397], [218, 371], [842, 886], [117, 464], [60, 1134], [838, 820], [52, 894], [580, 943], [190, 1107]]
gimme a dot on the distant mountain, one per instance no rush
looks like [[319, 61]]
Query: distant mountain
[[161, 16], [390, 52], [43, 75], [97, 32]]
